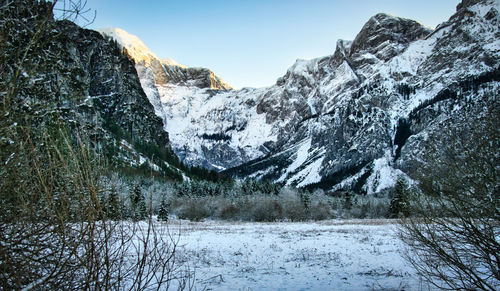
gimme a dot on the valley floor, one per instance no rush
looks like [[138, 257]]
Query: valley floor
[[326, 255]]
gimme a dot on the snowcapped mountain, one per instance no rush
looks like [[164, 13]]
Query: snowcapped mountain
[[158, 74], [354, 119]]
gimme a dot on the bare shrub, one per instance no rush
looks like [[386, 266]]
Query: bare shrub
[[320, 210], [192, 208], [289, 204], [226, 209], [294, 207], [264, 208], [453, 234]]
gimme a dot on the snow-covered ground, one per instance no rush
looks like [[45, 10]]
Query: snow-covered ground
[[327, 255]]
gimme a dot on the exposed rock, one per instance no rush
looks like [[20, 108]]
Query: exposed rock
[[386, 36], [87, 80]]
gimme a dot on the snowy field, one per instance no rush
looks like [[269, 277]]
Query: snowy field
[[326, 255]]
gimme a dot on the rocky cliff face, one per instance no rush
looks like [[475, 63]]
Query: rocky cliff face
[[83, 78], [158, 74], [355, 119]]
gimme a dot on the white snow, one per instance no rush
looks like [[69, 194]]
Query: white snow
[[482, 10], [147, 79], [189, 113], [220, 168], [300, 157], [310, 174], [384, 175], [327, 255], [304, 68], [411, 59], [303, 156], [343, 75]]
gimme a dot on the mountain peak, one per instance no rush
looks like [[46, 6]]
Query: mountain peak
[[135, 47], [352, 120], [469, 3], [385, 17], [163, 71], [383, 27]]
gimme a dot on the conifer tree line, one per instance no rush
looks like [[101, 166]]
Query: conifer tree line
[[136, 197]]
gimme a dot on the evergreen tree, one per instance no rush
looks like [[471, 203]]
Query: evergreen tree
[[138, 209], [306, 199], [163, 211], [348, 200], [113, 204], [399, 204]]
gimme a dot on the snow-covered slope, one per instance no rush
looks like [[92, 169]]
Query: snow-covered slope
[[340, 121], [135, 47]]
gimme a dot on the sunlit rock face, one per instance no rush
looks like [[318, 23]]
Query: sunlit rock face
[[351, 120], [165, 71]]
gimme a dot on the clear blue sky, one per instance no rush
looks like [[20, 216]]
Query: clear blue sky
[[251, 43]]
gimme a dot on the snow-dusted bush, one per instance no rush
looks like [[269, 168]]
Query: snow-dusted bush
[[295, 207], [190, 208], [320, 210], [290, 204], [264, 208]]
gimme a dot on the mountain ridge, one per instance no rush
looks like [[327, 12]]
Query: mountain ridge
[[338, 121], [165, 70]]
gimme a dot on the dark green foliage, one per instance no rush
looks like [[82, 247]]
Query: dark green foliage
[[244, 170], [200, 188], [112, 205], [328, 181], [445, 94], [468, 85], [348, 200], [138, 209], [158, 155], [209, 175], [251, 186], [406, 90], [358, 187], [305, 199], [216, 136], [400, 206], [403, 132], [151, 150], [163, 210], [117, 130]]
